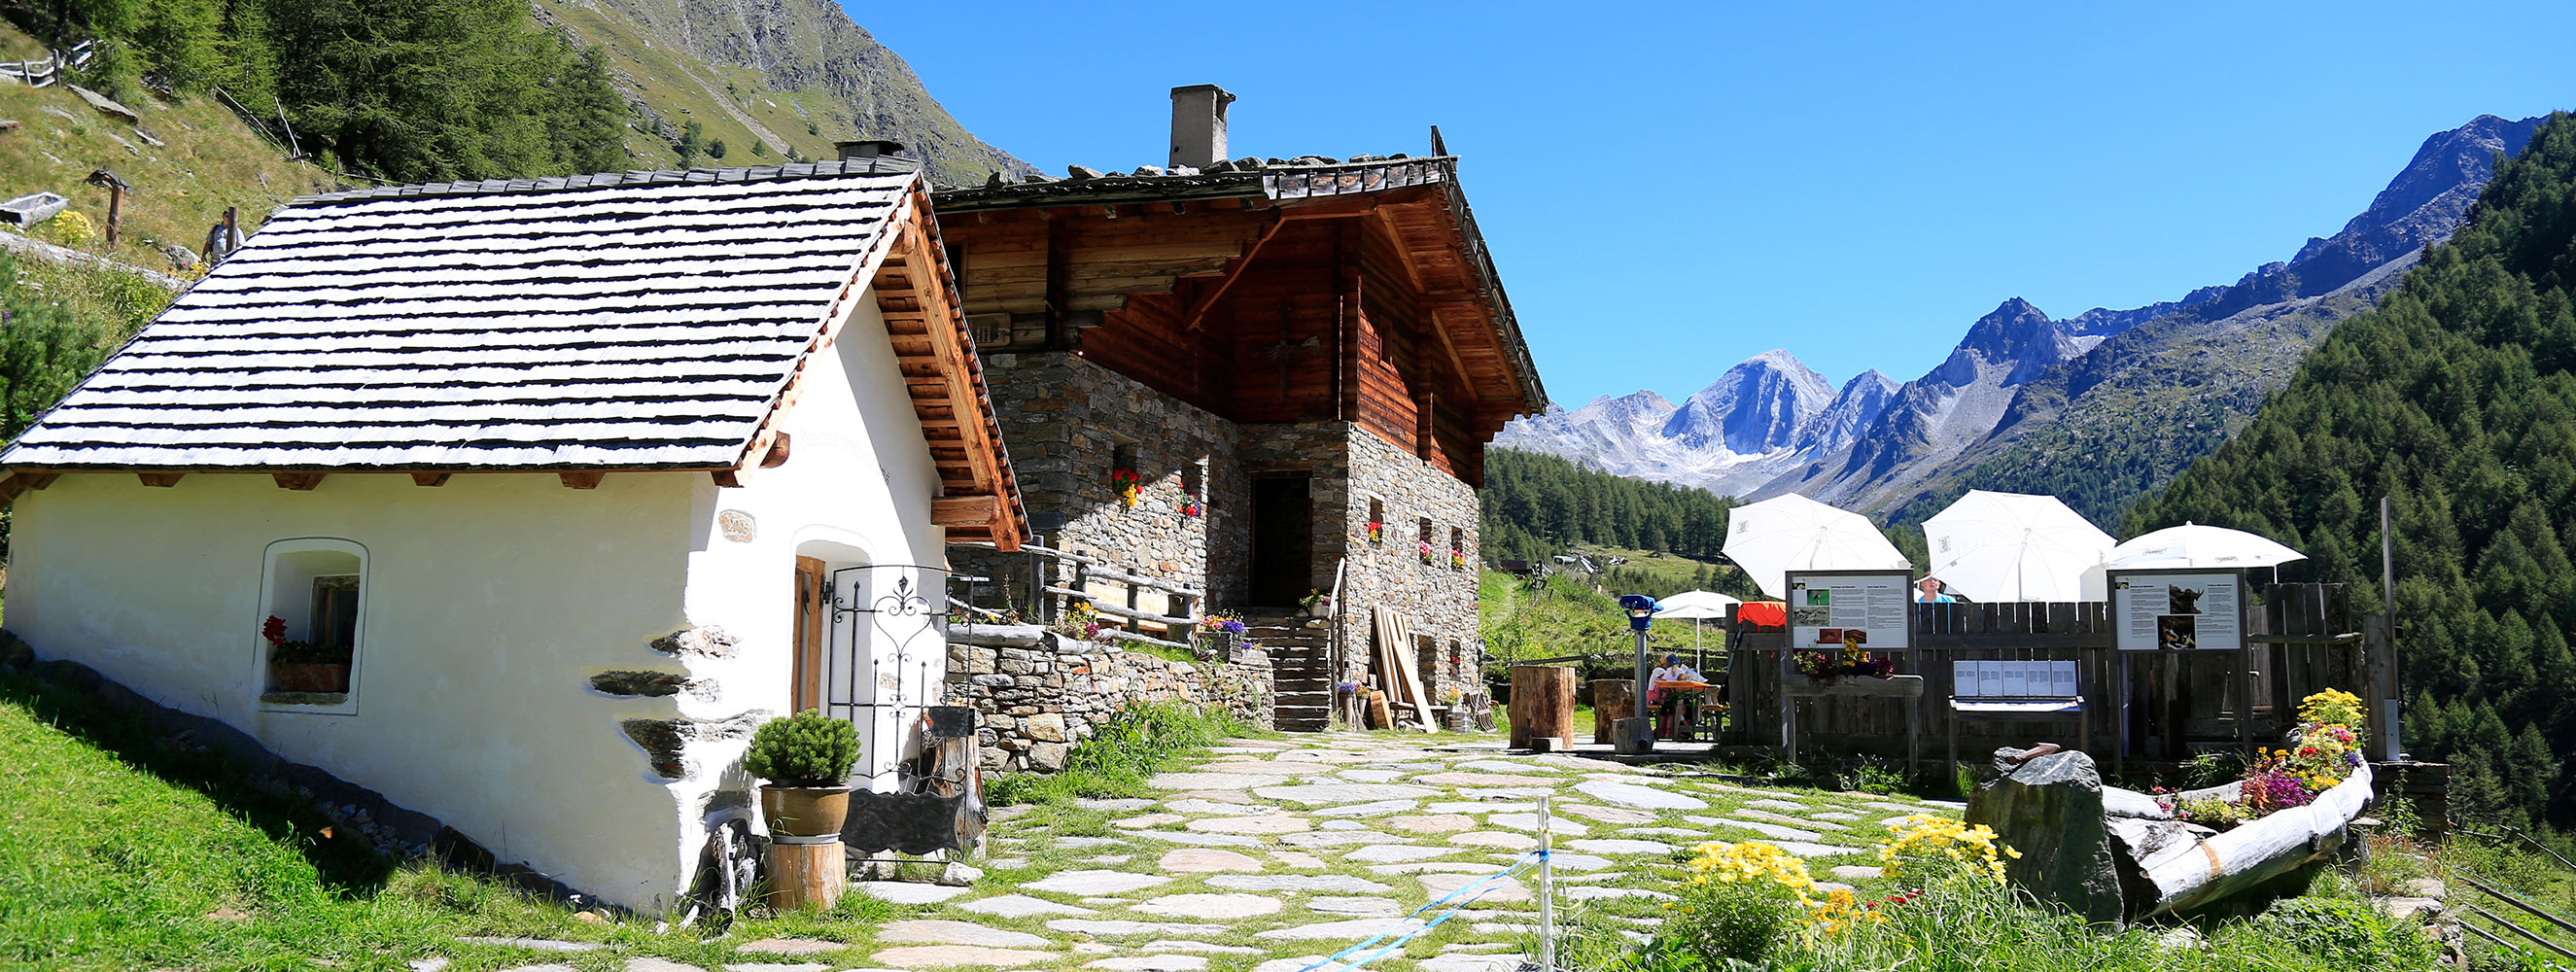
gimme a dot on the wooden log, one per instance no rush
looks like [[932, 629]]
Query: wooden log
[[2186, 871], [1612, 699], [807, 875], [1542, 706]]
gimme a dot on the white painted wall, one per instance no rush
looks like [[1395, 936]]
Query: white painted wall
[[491, 601]]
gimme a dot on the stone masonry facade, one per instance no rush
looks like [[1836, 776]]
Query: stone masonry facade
[[1068, 423], [1036, 699]]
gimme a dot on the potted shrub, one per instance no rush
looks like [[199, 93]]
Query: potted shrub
[[806, 760], [303, 666], [1317, 604]]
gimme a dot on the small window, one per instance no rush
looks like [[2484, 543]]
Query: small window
[[1457, 549], [311, 611], [1377, 522], [1423, 544]]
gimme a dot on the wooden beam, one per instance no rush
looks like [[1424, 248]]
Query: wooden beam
[[429, 478], [581, 480], [298, 481], [12, 487], [1207, 302], [777, 455], [958, 511], [40, 480], [727, 478], [163, 479]]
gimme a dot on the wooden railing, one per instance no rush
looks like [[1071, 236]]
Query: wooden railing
[[1054, 578], [47, 70]]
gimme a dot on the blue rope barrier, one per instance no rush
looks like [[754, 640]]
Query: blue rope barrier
[[1526, 860]]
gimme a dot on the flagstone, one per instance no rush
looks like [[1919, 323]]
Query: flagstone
[[1529, 821], [1391, 853], [1618, 846], [1432, 823], [1433, 867], [1804, 849], [1835, 815], [753, 967], [1577, 862], [1371, 775], [1078, 843], [1266, 824], [1199, 806], [1500, 889], [1856, 872], [1269, 767], [1354, 929], [1109, 860], [1500, 766], [1343, 905], [1898, 821], [1095, 882], [906, 892], [1377, 808], [541, 967], [1335, 883], [1782, 818], [1505, 792], [1223, 796], [942, 956], [1202, 839], [1495, 838], [647, 963], [1895, 807], [1665, 832], [1144, 820], [1632, 795], [1184, 945], [1457, 778], [941, 932], [1206, 860], [1314, 793], [1331, 838], [1107, 902], [1204, 780], [1024, 906], [1343, 825], [1151, 963], [1116, 928], [1210, 906], [1298, 859], [1483, 806]]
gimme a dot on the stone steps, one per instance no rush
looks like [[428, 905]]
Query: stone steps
[[1301, 680]]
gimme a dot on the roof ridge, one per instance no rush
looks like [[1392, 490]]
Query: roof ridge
[[881, 166]]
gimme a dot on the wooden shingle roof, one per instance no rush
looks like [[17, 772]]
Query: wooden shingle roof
[[635, 321]]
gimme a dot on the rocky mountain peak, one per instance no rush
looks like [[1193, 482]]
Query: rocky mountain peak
[[1758, 405], [2016, 337]]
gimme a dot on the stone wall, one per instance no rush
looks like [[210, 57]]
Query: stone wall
[[1064, 421], [1038, 693], [1440, 599]]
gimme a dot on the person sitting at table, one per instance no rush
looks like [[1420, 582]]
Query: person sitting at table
[[1668, 702]]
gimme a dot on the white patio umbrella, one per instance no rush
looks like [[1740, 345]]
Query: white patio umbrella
[[1785, 533], [1696, 607], [2194, 545], [2014, 547]]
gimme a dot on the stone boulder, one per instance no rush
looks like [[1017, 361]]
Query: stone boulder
[[2049, 807]]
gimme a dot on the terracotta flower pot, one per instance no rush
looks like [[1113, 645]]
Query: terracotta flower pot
[[805, 811], [310, 677]]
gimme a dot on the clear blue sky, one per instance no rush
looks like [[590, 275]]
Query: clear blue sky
[[1671, 189]]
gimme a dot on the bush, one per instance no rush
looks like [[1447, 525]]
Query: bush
[[2349, 932], [1741, 902], [1120, 753], [805, 749]]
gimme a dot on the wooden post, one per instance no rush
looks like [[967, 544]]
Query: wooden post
[[1542, 706], [1611, 699], [115, 210]]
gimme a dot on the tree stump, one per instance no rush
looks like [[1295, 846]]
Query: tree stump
[[1542, 705], [1612, 699], [807, 875]]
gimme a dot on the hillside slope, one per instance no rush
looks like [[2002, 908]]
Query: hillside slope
[[2456, 397], [780, 74]]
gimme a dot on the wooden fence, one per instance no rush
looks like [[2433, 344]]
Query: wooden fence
[[1040, 581], [47, 70], [2152, 705]]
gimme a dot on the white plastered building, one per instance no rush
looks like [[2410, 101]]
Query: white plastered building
[[590, 476]]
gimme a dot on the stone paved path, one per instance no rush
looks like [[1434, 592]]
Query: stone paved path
[[1277, 852]]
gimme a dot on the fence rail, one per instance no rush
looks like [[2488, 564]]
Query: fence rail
[[1048, 579], [2156, 704], [47, 70]]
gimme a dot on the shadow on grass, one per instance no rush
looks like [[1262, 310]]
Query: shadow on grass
[[346, 861]]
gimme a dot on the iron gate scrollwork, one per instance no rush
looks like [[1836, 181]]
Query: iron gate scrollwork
[[899, 614]]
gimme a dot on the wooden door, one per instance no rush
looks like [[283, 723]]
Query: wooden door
[[813, 613], [1283, 540]]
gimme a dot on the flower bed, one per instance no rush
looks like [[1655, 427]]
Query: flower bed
[[2323, 751]]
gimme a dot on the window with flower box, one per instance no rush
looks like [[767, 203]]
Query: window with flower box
[[313, 606]]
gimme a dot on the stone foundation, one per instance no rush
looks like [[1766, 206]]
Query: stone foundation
[[1038, 693]]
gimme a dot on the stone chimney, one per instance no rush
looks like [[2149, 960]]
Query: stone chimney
[[869, 150], [1198, 125]]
